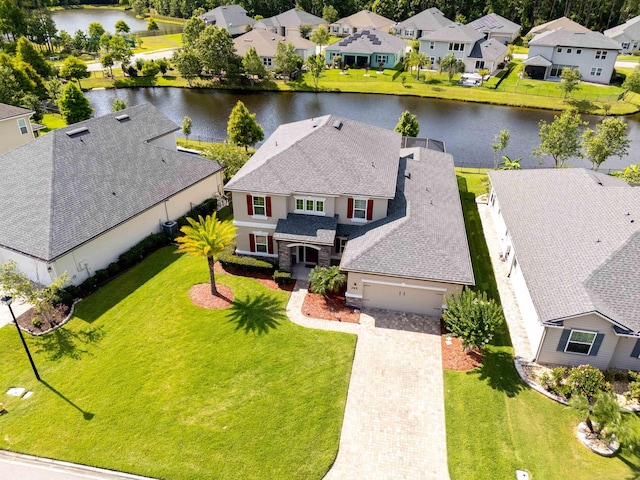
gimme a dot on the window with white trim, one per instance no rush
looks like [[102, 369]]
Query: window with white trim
[[432, 45], [578, 52], [381, 59], [596, 71], [22, 125], [456, 47], [359, 208], [345, 30], [409, 33], [266, 61], [568, 50], [601, 54], [580, 341], [310, 205], [261, 243], [259, 206], [340, 244], [625, 46]]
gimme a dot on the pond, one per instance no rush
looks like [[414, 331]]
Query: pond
[[79, 19], [468, 129]]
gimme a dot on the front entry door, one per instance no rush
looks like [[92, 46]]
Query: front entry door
[[307, 255]]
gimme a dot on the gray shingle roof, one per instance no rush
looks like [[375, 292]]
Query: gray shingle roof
[[291, 18], [630, 29], [227, 16], [423, 235], [574, 240], [494, 23], [307, 228], [454, 33], [561, 37], [562, 22], [8, 111], [266, 42], [537, 61], [59, 191], [313, 156], [488, 50], [369, 41], [427, 20]]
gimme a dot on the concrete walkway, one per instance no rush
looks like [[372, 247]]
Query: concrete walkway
[[394, 425], [519, 339], [18, 308]]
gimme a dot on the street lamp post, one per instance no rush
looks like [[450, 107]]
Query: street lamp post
[[7, 301]]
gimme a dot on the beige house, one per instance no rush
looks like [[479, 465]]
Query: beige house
[[15, 127], [76, 198], [494, 26], [562, 22], [287, 24], [575, 270], [333, 191], [266, 44], [422, 23], [358, 21]]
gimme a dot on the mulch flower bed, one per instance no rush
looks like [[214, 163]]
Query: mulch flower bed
[[201, 296], [264, 279], [453, 355], [26, 320], [329, 308]]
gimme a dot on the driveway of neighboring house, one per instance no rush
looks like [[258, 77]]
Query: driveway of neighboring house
[[394, 424]]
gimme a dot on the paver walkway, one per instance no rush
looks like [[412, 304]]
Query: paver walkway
[[394, 425], [519, 337]]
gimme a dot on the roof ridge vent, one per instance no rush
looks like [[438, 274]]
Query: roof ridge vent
[[76, 131], [337, 124], [122, 118]]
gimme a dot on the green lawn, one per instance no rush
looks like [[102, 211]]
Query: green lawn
[[143, 381], [52, 121], [495, 424], [628, 58], [160, 42]]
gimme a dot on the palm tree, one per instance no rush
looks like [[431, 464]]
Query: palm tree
[[508, 164], [207, 237], [326, 280]]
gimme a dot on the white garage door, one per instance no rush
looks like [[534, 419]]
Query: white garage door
[[404, 298]]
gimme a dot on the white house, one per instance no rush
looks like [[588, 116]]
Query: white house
[[15, 127], [466, 44], [333, 191], [575, 269], [627, 34], [232, 18], [593, 54], [496, 27], [422, 23], [75, 199]]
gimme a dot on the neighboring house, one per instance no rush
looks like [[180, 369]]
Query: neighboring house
[[359, 21], [562, 22], [627, 34], [370, 46], [426, 21], [493, 26], [333, 191], [266, 44], [466, 44], [288, 23], [590, 52], [232, 18], [575, 269], [76, 198], [15, 127]]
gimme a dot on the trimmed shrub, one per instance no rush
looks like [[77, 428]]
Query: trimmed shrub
[[282, 278], [587, 381], [249, 264], [208, 207], [634, 385], [101, 276], [553, 381], [113, 269], [141, 250]]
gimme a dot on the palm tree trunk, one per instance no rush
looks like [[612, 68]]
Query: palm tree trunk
[[211, 261]]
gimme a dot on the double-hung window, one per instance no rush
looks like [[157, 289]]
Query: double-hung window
[[259, 206], [261, 243], [432, 45], [22, 125], [359, 208], [580, 342], [381, 59], [601, 54], [310, 205], [596, 71]]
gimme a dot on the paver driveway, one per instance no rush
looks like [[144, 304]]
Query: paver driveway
[[394, 425]]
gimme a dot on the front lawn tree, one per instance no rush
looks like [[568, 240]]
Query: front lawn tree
[[608, 140], [569, 80], [243, 128], [253, 65], [472, 318], [186, 127], [326, 281], [315, 66], [286, 60], [26, 52], [74, 68], [207, 237], [320, 36], [74, 106], [560, 139], [408, 125], [107, 62]]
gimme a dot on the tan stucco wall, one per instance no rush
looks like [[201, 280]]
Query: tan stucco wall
[[10, 133]]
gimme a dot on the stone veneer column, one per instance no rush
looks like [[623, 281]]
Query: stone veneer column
[[284, 256], [324, 256]]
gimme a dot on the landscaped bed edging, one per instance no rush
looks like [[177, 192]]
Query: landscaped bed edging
[[525, 378], [582, 432], [58, 325]]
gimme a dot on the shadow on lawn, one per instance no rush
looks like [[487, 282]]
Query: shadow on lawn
[[635, 469], [86, 415], [63, 342], [498, 371], [258, 314]]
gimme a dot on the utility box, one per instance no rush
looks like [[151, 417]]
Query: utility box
[[170, 228]]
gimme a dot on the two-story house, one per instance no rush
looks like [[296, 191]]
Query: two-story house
[[232, 18], [369, 46], [288, 23], [497, 27], [465, 44], [627, 34], [593, 54], [328, 191], [358, 21], [422, 23], [15, 127]]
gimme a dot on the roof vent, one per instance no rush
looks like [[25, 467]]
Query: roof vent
[[77, 131], [122, 118], [337, 124]]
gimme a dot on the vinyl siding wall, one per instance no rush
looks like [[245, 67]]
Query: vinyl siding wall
[[11, 135], [585, 61], [622, 358]]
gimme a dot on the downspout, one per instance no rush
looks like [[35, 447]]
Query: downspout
[[544, 336]]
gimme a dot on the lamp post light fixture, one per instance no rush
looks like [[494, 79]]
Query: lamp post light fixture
[[6, 300]]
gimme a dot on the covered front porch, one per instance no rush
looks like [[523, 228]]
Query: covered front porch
[[305, 241]]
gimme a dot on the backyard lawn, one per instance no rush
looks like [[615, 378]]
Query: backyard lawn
[[143, 381], [495, 424]]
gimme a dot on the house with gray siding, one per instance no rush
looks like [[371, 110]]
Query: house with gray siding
[[575, 269], [331, 191], [593, 54], [375, 47], [422, 23], [627, 34]]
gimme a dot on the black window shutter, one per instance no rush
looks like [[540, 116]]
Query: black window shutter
[[564, 338]]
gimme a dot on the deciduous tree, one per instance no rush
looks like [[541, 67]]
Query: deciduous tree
[[330, 14], [122, 27], [560, 139], [192, 30], [216, 51], [243, 129], [96, 30], [286, 60], [320, 36], [152, 25], [74, 68], [570, 80], [408, 125], [253, 66], [26, 52], [632, 82], [187, 62], [608, 140], [186, 127], [315, 66], [74, 106], [118, 104]]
